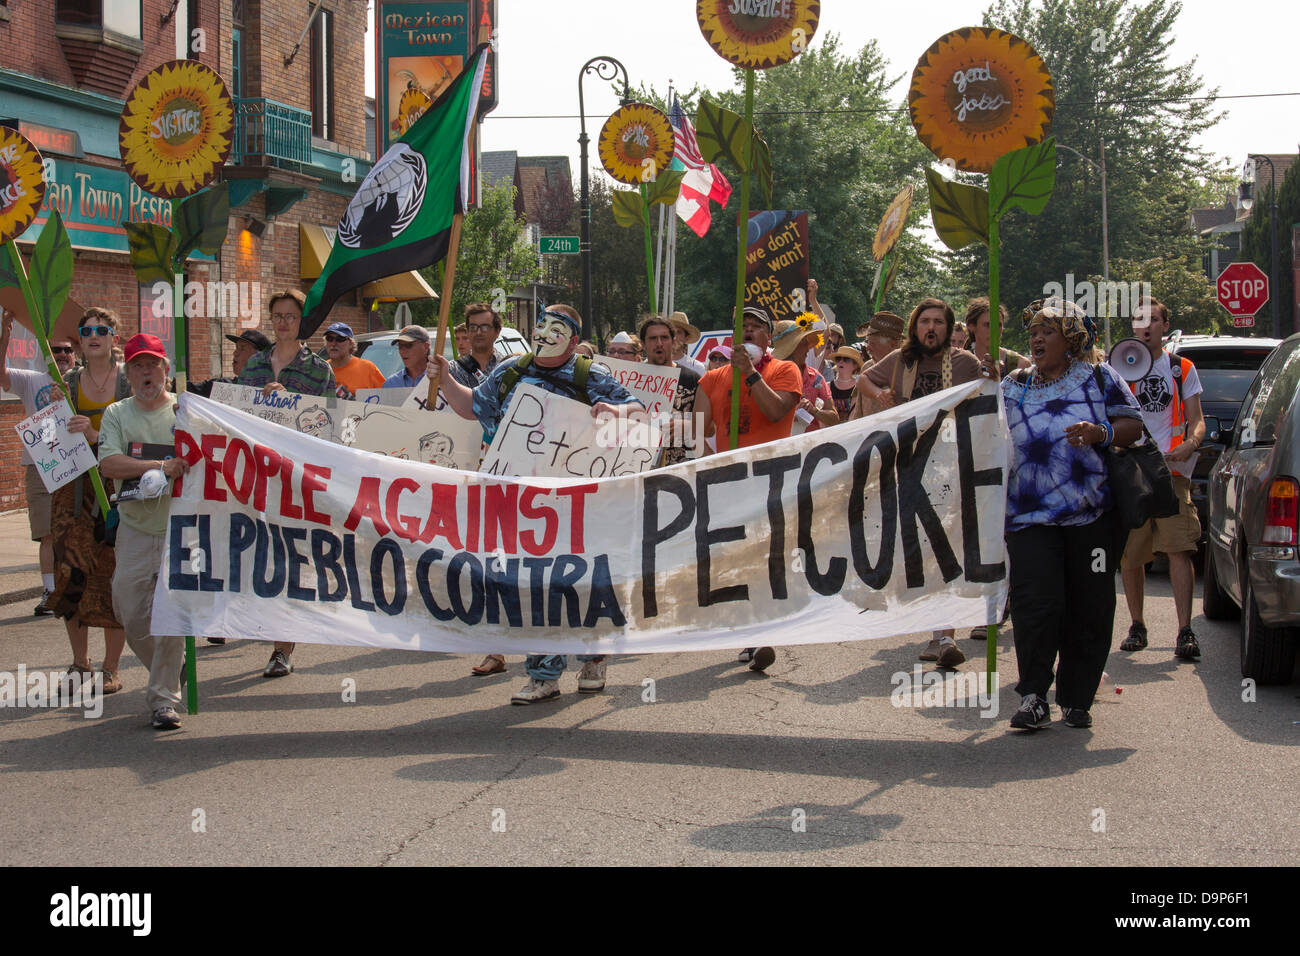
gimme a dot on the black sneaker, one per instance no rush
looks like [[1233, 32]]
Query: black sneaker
[[764, 657], [43, 609], [279, 665], [1033, 713], [746, 655], [1076, 717], [1137, 637], [1186, 646]]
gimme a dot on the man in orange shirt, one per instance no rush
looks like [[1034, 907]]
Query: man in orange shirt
[[769, 395], [352, 373]]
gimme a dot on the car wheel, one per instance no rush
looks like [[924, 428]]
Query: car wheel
[[1215, 602], [1267, 653]]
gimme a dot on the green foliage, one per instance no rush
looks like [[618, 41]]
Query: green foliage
[[203, 221], [1023, 179], [1257, 241], [1110, 62], [1180, 284], [153, 252], [628, 209], [51, 270], [494, 254]]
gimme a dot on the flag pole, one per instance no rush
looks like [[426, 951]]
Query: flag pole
[[444, 306]]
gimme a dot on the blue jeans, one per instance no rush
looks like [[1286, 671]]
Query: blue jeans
[[551, 666]]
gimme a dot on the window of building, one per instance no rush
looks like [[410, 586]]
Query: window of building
[[237, 62], [122, 17], [322, 75]]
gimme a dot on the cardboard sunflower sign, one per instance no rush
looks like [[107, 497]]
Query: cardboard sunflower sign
[[982, 100], [636, 145], [890, 230], [753, 35]]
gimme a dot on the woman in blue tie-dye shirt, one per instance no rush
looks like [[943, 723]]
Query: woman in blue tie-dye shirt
[[1062, 538]]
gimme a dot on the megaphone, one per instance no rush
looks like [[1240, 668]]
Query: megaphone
[[1131, 359]]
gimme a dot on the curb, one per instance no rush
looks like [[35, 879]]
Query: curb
[[25, 594]]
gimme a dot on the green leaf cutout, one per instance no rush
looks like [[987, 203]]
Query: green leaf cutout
[[1024, 178], [763, 167], [665, 188], [153, 250], [628, 207], [960, 212], [202, 222], [893, 268], [51, 271], [722, 133]]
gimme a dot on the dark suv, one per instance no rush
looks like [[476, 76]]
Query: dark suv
[[1226, 365], [1252, 558]]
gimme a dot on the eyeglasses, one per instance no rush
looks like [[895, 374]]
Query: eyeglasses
[[480, 328], [335, 338], [88, 330], [61, 349], [620, 353], [285, 316]]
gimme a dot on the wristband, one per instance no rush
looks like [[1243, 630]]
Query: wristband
[[1109, 429], [751, 378]]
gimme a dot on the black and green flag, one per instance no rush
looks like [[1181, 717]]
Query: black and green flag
[[400, 217]]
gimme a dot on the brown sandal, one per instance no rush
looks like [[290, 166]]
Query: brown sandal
[[492, 664]]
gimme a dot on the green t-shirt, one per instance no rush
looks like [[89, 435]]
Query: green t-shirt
[[123, 424]]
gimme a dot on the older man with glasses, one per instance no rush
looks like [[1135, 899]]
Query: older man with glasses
[[413, 348]]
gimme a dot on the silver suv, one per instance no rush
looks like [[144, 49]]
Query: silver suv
[[1252, 559]]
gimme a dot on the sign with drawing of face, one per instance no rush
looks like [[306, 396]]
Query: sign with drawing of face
[[315, 422], [436, 449], [554, 337]]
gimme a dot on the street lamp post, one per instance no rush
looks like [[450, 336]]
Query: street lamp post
[[607, 68], [1274, 290], [1105, 226]]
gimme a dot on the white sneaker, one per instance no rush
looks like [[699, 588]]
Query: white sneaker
[[536, 691], [591, 679]]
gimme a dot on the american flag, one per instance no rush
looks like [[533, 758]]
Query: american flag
[[687, 148], [703, 181]]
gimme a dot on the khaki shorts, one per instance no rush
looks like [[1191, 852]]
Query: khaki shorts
[[1172, 535], [38, 503]]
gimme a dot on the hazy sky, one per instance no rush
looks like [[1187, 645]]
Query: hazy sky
[[542, 44]]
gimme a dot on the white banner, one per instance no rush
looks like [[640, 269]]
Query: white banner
[[654, 386], [886, 525], [440, 437], [59, 455]]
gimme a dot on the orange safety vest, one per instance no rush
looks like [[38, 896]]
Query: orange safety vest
[[1179, 419]]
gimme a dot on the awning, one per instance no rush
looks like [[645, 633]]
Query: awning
[[314, 250]]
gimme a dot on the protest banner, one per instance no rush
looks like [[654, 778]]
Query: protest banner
[[545, 434], [776, 262], [441, 437], [886, 525], [59, 455]]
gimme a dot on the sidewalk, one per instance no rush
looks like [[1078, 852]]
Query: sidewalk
[[20, 569]]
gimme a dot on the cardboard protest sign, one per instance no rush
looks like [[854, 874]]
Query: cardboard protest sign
[[776, 262], [59, 455], [654, 386], [545, 434], [443, 438], [897, 520]]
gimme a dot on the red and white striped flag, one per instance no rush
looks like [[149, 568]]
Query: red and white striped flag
[[703, 181]]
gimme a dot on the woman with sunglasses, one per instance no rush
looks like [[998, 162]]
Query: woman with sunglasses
[[83, 563]]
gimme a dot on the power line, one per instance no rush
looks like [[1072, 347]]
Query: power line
[[903, 109]]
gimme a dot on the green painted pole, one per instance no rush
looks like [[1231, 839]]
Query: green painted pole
[[995, 338], [742, 229], [181, 374], [649, 259], [42, 326]]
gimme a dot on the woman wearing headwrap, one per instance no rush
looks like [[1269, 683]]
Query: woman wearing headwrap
[[1062, 538]]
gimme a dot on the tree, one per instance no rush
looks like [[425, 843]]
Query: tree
[[1110, 63], [1257, 240], [841, 149], [495, 257]]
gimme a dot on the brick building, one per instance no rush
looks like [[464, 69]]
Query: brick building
[[66, 67]]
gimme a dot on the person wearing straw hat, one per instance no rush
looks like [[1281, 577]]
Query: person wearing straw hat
[[791, 343], [848, 364], [883, 334], [685, 334]]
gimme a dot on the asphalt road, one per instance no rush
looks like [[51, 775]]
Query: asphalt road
[[808, 764]]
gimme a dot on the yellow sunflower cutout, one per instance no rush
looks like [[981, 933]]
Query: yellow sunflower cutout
[[22, 183], [758, 34], [410, 108], [636, 144], [812, 322], [177, 128], [892, 224], [978, 93]]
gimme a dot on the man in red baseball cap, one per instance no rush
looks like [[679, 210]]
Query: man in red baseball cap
[[148, 417]]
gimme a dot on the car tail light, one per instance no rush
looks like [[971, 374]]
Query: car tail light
[[1280, 517]]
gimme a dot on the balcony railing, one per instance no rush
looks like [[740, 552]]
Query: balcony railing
[[266, 128]]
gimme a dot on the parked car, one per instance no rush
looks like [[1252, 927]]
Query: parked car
[[1251, 562], [1226, 366], [381, 347]]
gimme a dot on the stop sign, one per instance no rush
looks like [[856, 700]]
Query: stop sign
[[1242, 288]]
